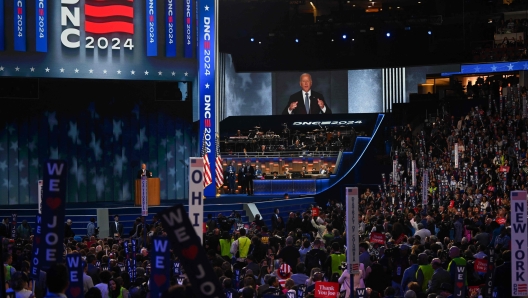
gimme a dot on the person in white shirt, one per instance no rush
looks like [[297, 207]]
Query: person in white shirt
[[105, 277], [422, 232]]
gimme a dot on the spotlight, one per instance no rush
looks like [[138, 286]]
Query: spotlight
[[344, 36], [260, 42], [252, 39], [388, 34], [429, 32], [296, 40]]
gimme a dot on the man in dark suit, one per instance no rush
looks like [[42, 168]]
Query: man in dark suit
[[116, 227], [231, 173], [502, 278], [306, 101], [144, 172], [440, 276], [249, 173]]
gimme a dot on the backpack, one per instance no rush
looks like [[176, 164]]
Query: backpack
[[312, 260]]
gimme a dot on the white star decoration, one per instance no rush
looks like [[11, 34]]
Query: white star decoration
[[104, 71], [173, 73], [32, 69], [62, 70], [91, 70], [160, 73], [510, 67], [17, 68], [1, 68], [76, 70], [206, 8], [494, 68], [47, 69], [186, 73], [132, 72], [146, 72], [118, 71], [207, 86]]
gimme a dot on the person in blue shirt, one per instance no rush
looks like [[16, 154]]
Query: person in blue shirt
[[409, 275]]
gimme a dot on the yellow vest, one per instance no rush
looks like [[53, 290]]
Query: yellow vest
[[243, 246], [337, 259], [427, 271], [225, 246]]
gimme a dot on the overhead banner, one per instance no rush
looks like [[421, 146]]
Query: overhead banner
[[188, 247], [352, 206], [53, 209], [519, 244], [97, 39], [188, 29], [196, 209], [206, 80]]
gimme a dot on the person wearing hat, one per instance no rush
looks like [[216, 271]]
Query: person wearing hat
[[68, 232], [440, 276], [425, 271], [283, 273]]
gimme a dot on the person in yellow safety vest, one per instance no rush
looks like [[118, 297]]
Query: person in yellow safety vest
[[240, 247], [333, 262], [116, 288], [10, 270], [456, 261], [225, 246], [425, 271]]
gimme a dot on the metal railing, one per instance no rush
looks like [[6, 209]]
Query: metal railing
[[281, 154]]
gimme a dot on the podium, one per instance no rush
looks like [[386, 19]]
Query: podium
[[153, 195]]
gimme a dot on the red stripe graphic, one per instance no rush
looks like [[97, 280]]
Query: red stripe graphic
[[109, 27], [108, 11], [207, 45]]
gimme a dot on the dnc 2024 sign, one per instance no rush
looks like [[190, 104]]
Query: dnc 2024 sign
[[125, 39]]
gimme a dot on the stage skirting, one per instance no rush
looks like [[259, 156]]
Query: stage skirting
[[282, 186]]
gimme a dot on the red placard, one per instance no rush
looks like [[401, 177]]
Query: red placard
[[400, 239], [451, 204], [481, 266], [474, 291], [326, 289], [315, 211], [377, 237], [500, 220], [504, 169]]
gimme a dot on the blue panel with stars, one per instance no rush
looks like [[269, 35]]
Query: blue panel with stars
[[483, 68]]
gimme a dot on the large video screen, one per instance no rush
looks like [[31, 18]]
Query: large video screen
[[110, 39]]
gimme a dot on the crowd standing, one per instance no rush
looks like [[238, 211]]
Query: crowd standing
[[464, 220]]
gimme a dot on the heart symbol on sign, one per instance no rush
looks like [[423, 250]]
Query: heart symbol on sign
[[460, 284], [37, 240], [75, 291], [159, 279], [190, 252], [53, 203]]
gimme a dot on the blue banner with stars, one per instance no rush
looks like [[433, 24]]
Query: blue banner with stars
[[489, 68], [206, 81]]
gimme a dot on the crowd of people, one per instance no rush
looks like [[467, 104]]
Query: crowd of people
[[473, 162]]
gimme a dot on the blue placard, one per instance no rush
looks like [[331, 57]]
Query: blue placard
[[41, 25], [188, 29], [160, 269], [152, 29], [176, 267], [36, 255], [19, 25], [53, 209], [2, 26], [206, 81], [75, 272], [170, 28]]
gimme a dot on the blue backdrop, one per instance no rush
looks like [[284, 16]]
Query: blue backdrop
[[104, 130]]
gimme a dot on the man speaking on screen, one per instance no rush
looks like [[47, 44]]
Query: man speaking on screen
[[306, 101]]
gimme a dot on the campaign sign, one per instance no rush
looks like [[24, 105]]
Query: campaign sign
[[500, 220], [301, 291], [160, 269], [37, 254], [75, 271], [460, 278], [176, 268], [196, 208], [519, 242], [352, 219], [361, 292], [13, 225], [377, 237], [39, 198], [53, 209], [481, 266], [488, 290], [188, 248], [315, 211], [326, 289]]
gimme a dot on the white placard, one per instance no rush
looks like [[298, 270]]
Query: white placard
[[519, 244], [144, 196], [425, 186], [413, 166], [40, 190], [196, 188], [456, 155], [352, 206]]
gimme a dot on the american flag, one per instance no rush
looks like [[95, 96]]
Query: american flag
[[218, 166], [521, 288], [355, 267], [206, 166]]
